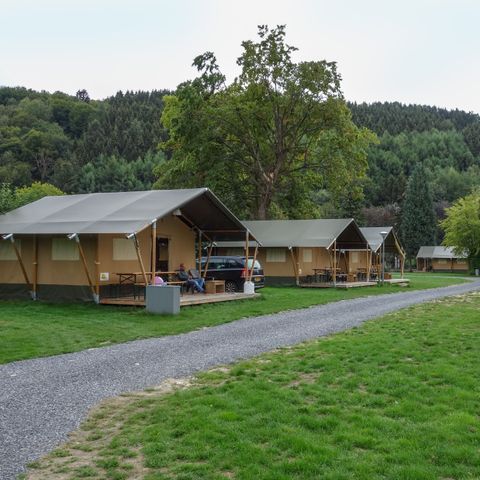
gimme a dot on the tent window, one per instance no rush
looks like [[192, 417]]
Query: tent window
[[307, 255], [354, 257], [6, 250], [64, 249], [276, 255], [124, 249], [442, 261]]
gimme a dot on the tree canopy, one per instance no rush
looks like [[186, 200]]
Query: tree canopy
[[265, 143], [462, 225], [418, 218], [11, 198]]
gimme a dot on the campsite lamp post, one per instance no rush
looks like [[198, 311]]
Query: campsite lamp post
[[384, 236]]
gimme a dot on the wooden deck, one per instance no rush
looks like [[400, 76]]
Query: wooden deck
[[398, 281], [185, 300], [344, 285], [338, 285]]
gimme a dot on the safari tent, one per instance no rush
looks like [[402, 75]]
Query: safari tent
[[392, 246], [80, 247], [440, 259], [306, 251]]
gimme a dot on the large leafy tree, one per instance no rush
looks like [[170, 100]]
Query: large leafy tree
[[462, 227], [269, 140], [418, 217]]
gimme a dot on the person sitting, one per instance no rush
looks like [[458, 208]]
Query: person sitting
[[190, 282], [199, 281]]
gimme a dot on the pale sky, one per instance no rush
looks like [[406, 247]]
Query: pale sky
[[420, 51]]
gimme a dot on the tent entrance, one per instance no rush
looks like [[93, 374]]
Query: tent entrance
[[162, 255]]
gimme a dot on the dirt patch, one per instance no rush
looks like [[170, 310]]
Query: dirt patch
[[81, 455], [304, 379]]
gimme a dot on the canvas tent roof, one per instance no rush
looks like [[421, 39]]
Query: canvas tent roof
[[374, 238], [305, 233], [123, 213], [437, 252]]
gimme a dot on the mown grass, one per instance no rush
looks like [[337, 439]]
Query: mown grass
[[397, 398], [29, 330]]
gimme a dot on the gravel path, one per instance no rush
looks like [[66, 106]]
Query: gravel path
[[42, 400]]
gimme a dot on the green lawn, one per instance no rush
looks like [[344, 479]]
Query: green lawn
[[29, 329], [397, 398]]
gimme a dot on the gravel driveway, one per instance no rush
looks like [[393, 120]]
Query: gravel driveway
[[42, 400]]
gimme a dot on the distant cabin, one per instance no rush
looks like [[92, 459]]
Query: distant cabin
[[440, 259]]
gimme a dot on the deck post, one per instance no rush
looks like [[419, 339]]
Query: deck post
[[20, 261], [295, 266], [208, 260], [153, 262], [367, 270], [253, 263], [35, 267], [85, 267], [199, 253], [335, 263], [140, 260], [97, 270]]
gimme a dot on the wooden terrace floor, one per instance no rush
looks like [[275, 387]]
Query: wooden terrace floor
[[185, 300], [343, 285]]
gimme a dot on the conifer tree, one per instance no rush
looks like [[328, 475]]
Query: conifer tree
[[418, 217]]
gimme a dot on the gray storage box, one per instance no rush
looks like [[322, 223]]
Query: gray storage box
[[163, 299]]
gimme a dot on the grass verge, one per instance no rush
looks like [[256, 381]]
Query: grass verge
[[30, 330], [395, 398]]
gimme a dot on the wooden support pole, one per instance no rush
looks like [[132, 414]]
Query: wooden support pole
[[335, 262], [154, 252], [295, 269], [97, 278], [85, 267], [35, 268], [97, 269], [208, 260], [140, 260], [22, 265], [247, 246], [200, 253], [367, 269], [253, 262]]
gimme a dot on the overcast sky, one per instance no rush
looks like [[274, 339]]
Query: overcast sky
[[412, 51]]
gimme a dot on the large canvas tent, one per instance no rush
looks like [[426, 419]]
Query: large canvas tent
[[292, 249], [74, 246], [392, 245], [438, 258]]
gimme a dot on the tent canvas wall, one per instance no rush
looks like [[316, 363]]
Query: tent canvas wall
[[72, 247]]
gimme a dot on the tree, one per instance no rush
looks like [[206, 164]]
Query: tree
[[7, 198], [34, 192], [462, 227], [83, 96], [418, 218], [279, 123], [471, 134]]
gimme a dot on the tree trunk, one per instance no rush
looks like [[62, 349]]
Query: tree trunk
[[264, 202]]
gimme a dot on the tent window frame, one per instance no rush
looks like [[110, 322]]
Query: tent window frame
[[123, 250], [7, 253], [64, 250], [276, 255]]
